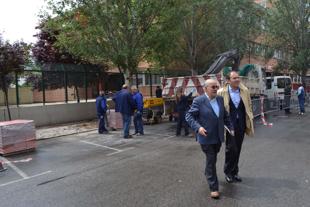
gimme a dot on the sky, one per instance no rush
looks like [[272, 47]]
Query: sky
[[18, 19]]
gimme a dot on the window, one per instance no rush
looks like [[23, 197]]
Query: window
[[140, 79], [283, 82], [155, 79]]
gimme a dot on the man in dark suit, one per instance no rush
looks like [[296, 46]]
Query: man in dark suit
[[158, 92], [126, 107], [182, 106], [238, 104], [207, 117], [287, 99]]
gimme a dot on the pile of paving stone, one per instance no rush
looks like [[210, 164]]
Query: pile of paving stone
[[17, 136]]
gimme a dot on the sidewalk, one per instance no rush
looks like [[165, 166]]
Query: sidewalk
[[65, 129], [86, 126]]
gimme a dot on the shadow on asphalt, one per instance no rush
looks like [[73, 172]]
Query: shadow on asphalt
[[258, 187]]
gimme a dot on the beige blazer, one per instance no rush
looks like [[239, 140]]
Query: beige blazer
[[246, 98]]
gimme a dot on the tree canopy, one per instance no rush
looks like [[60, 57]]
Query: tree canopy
[[57, 61], [289, 29], [206, 28], [164, 32], [115, 31], [12, 60]]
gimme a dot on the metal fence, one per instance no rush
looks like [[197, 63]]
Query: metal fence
[[66, 83], [268, 105], [43, 86], [59, 83]]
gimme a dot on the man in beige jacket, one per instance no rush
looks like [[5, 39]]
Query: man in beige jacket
[[237, 102]]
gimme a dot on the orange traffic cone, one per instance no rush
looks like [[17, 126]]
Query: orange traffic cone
[[1, 167]]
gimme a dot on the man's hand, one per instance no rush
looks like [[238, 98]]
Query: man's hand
[[232, 133], [202, 131]]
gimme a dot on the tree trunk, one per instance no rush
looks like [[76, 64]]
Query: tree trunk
[[7, 103], [77, 94], [6, 99], [127, 77]]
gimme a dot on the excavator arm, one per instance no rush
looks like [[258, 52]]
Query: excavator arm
[[221, 60]]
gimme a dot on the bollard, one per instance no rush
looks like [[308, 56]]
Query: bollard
[[1, 167]]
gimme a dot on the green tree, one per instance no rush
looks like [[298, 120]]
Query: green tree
[[115, 31], [289, 30], [51, 58], [195, 43], [12, 60], [235, 23], [204, 28]]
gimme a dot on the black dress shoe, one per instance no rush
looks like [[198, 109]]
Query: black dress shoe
[[229, 179], [237, 178]]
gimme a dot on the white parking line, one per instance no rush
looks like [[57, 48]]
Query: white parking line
[[129, 148], [16, 169], [169, 137], [19, 161], [99, 145], [22, 179], [163, 135], [103, 146]]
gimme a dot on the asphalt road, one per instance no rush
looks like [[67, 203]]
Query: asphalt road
[[159, 169]]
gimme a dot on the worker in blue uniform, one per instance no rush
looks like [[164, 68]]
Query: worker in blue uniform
[[101, 106]]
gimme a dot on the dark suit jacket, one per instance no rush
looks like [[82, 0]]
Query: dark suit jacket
[[126, 102], [201, 114], [116, 99]]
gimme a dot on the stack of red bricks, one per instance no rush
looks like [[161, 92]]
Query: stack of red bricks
[[17, 136]]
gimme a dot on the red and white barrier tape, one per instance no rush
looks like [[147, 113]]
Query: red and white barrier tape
[[262, 113]]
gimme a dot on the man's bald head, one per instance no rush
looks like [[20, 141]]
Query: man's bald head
[[210, 81], [211, 86], [124, 86]]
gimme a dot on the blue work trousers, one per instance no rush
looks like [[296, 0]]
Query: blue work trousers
[[126, 124], [138, 122], [101, 127]]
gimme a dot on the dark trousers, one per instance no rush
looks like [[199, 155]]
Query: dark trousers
[[182, 122], [101, 127], [211, 151], [287, 102], [138, 122], [232, 151]]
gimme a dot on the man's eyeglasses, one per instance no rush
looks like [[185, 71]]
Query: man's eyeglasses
[[214, 87]]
